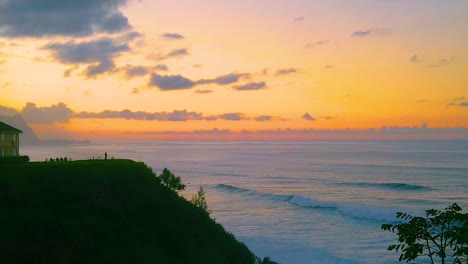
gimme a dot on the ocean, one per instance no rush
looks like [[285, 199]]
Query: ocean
[[304, 201]]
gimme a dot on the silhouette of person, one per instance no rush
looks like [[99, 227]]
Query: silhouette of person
[[105, 155]]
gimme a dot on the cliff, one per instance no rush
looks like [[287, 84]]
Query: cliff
[[104, 211]]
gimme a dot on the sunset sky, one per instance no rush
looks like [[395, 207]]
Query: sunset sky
[[121, 68]]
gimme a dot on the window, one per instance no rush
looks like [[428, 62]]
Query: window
[[14, 137], [2, 137]]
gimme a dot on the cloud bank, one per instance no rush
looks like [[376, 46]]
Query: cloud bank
[[46, 115], [34, 18]]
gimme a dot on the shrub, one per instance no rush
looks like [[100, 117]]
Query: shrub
[[440, 235]]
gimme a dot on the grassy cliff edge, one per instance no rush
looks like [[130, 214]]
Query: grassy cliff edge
[[104, 211]]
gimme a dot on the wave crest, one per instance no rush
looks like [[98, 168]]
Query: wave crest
[[352, 210]]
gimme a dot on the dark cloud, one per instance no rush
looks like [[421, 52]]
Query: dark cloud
[[131, 71], [317, 44], [176, 115], [415, 59], [46, 115], [263, 118], [99, 53], [161, 67], [307, 116], [372, 32], [86, 52], [225, 79], [231, 116], [135, 71], [178, 82], [197, 66], [285, 71], [99, 68], [464, 104], [172, 36], [135, 91], [203, 91], [420, 101], [251, 86], [328, 67], [170, 82], [173, 54], [299, 19], [46, 18]]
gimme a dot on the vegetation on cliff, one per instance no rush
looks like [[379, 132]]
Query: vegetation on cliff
[[104, 211]]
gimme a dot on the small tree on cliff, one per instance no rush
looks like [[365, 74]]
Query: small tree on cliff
[[199, 200], [440, 235], [171, 181]]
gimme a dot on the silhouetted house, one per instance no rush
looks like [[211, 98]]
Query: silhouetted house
[[9, 140]]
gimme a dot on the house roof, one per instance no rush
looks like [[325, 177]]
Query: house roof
[[7, 128]]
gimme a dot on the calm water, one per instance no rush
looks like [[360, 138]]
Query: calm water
[[305, 201]]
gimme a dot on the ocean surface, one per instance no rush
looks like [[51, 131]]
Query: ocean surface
[[304, 201]]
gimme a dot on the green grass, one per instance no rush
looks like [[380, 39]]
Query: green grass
[[104, 211]]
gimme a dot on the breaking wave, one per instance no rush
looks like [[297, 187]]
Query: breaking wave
[[352, 210]]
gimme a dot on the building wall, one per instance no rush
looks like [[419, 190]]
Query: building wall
[[9, 144]]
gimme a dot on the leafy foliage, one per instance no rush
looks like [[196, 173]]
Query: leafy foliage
[[171, 181], [440, 235], [199, 200]]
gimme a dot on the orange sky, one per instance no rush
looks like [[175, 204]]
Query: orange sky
[[234, 65]]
